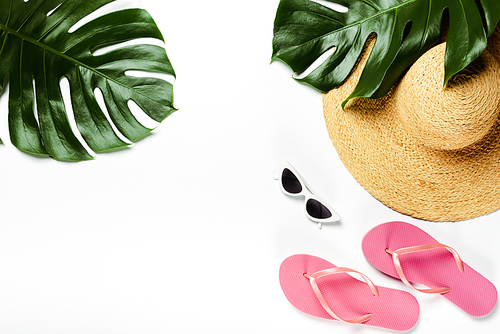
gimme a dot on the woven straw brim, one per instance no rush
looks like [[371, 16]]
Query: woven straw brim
[[411, 178]]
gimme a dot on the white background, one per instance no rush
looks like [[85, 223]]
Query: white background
[[185, 231]]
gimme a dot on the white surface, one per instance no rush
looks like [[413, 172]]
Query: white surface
[[185, 231]]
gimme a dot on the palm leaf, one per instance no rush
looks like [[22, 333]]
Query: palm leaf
[[404, 29], [36, 46]]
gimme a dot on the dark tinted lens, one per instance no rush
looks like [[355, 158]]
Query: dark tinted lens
[[317, 210], [290, 182]]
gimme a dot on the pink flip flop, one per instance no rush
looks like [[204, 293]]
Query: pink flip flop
[[320, 289], [406, 252]]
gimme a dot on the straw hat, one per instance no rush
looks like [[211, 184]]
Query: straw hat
[[423, 151]]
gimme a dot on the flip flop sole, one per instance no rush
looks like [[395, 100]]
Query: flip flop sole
[[433, 268], [346, 295]]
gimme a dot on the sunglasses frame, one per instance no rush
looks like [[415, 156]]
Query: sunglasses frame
[[308, 193]]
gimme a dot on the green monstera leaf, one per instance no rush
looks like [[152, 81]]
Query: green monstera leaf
[[38, 49], [304, 30]]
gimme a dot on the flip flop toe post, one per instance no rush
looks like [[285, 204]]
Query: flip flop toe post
[[319, 288], [406, 252]]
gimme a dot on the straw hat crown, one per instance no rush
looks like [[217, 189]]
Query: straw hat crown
[[454, 116]]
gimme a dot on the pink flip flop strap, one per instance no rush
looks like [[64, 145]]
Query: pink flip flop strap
[[396, 254], [312, 279]]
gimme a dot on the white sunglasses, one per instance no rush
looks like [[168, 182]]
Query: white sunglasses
[[316, 208]]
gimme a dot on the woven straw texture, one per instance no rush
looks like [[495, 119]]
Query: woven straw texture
[[423, 151]]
